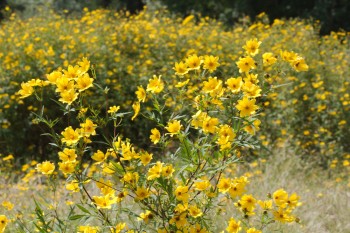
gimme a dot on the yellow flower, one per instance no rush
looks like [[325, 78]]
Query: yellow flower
[[280, 198], [155, 135], [168, 171], [136, 106], [233, 226], [293, 201], [265, 205], [108, 168], [130, 177], [210, 63], [245, 64], [253, 230], [67, 155], [106, 187], [141, 94], [142, 193], [3, 223], [299, 64], [99, 156], [173, 127], [84, 65], [82, 112], [209, 124], [253, 78], [224, 185], [252, 128], [53, 76], [70, 136], [8, 205], [198, 118], [194, 211], [187, 19], [73, 186], [269, 59], [128, 152], [84, 82], [121, 196], [193, 62], [179, 220], [69, 202], [113, 109], [88, 128], [67, 167], [147, 216], [202, 185], [211, 85], [181, 84], [283, 216], [37, 82], [64, 84], [180, 68], [180, 208], [234, 84], [26, 90], [118, 228], [248, 203], [224, 143], [197, 229], [181, 193], [238, 187], [145, 158], [289, 56], [104, 202], [155, 85], [252, 47], [246, 107], [72, 72], [87, 229], [155, 171], [45, 168], [251, 90], [225, 131], [9, 157], [68, 97]]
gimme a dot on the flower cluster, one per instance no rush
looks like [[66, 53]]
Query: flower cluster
[[33, 49], [178, 192], [69, 83]]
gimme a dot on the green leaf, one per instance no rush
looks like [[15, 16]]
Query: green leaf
[[53, 144], [76, 217], [83, 209]]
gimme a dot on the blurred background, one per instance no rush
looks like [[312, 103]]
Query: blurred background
[[333, 14]]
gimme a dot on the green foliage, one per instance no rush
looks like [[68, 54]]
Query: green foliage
[[332, 14], [126, 51]]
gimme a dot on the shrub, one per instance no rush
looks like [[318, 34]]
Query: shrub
[[200, 126], [126, 50]]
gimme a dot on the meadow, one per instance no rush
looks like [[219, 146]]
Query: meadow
[[112, 122]]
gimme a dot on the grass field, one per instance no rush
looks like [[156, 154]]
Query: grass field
[[326, 205]]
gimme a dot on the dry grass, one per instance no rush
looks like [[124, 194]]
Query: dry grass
[[22, 195], [325, 209], [326, 203]]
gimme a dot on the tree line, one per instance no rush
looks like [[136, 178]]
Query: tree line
[[332, 14]]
